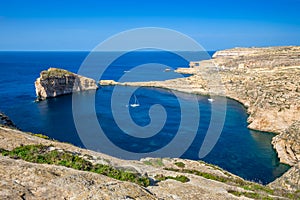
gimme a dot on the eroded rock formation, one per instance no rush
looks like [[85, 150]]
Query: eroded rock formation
[[287, 144], [55, 82]]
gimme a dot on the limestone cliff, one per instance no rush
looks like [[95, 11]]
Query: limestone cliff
[[287, 144], [290, 180], [55, 82], [265, 80]]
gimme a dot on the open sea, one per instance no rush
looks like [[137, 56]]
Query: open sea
[[243, 152]]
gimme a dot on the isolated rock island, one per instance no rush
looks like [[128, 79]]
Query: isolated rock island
[[55, 82]]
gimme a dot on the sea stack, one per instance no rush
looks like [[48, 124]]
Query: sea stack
[[56, 82]]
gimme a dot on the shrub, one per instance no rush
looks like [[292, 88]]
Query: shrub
[[40, 154], [180, 164], [180, 178]]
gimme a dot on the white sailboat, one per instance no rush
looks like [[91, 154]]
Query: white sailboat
[[136, 103], [211, 100]]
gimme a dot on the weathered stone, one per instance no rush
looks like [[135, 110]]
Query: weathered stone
[[25, 180], [6, 121], [287, 144], [55, 82], [290, 180]]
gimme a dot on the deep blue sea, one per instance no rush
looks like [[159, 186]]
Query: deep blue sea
[[239, 150]]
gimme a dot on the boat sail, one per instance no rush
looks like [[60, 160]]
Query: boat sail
[[136, 103]]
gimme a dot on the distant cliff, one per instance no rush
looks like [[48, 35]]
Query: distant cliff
[[55, 82]]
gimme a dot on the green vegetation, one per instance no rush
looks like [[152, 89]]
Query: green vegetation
[[198, 173], [147, 162], [180, 164], [255, 187], [180, 178], [257, 191], [252, 195], [210, 165], [41, 154], [54, 72], [41, 136], [157, 162]]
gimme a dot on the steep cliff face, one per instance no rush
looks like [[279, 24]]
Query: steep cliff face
[[289, 181], [55, 82], [287, 144]]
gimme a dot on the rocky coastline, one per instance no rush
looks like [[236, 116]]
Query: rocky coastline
[[5, 121], [264, 80], [55, 82]]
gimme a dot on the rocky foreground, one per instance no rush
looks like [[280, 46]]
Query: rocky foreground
[[55, 82], [35, 168]]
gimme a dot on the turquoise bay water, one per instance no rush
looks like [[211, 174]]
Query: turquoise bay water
[[239, 150]]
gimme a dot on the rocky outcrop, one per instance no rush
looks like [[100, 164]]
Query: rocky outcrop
[[6, 121], [290, 180], [24, 180], [287, 144], [27, 180], [55, 82]]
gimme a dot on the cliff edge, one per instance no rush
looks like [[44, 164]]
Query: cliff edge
[[55, 82], [46, 169]]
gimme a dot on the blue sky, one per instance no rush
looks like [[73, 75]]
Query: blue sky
[[81, 25]]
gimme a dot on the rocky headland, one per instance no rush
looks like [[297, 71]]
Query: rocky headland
[[265, 80], [55, 82], [32, 167]]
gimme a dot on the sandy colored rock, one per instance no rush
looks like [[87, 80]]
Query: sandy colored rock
[[290, 180], [287, 144], [20, 179], [23, 180], [55, 82]]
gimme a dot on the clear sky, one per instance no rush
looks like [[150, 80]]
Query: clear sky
[[81, 25]]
